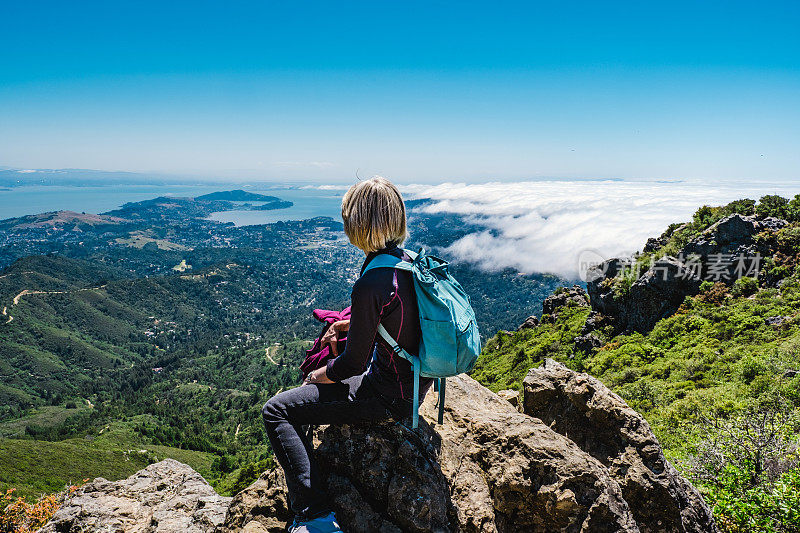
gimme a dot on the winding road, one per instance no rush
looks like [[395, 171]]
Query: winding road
[[17, 298], [269, 355]]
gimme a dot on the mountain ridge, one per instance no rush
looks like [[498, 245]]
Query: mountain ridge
[[705, 356]]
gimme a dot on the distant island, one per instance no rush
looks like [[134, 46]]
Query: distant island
[[237, 196], [270, 202]]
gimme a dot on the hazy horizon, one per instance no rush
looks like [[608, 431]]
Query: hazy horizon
[[531, 226]]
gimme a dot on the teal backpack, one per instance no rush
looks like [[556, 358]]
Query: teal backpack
[[450, 342]]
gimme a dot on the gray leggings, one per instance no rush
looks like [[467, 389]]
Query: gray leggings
[[350, 401]]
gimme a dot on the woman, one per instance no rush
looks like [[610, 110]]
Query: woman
[[367, 382]]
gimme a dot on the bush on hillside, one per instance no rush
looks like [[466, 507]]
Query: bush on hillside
[[713, 293], [745, 287], [772, 205], [748, 468], [793, 209], [19, 516]]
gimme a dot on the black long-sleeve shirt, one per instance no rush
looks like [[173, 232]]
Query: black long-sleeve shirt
[[382, 295]]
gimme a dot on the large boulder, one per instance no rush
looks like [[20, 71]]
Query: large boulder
[[529, 323], [488, 468], [261, 507], [584, 410], [165, 497], [599, 286], [728, 248], [656, 294], [574, 296]]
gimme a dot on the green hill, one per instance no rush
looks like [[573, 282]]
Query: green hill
[[36, 467], [718, 379]]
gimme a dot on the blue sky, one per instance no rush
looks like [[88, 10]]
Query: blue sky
[[424, 92]]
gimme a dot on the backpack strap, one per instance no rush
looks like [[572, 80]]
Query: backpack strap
[[441, 400], [390, 261], [414, 360]]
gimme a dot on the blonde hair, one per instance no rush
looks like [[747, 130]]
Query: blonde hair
[[374, 214]]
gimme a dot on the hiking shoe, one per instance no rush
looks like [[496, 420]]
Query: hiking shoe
[[322, 524]]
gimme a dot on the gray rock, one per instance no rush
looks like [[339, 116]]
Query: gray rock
[[772, 223], [776, 321], [529, 323], [595, 322], [733, 229], [598, 287], [263, 506], [655, 295], [584, 410], [574, 296], [587, 343], [165, 497], [654, 243], [511, 396], [729, 240], [609, 268], [658, 293], [488, 468]]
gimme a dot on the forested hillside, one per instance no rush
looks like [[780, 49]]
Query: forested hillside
[[150, 332], [709, 355]]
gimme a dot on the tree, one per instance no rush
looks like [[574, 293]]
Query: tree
[[772, 205]]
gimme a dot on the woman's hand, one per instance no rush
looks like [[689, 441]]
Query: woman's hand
[[331, 336], [318, 376]]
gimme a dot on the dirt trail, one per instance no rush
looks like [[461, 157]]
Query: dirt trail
[[267, 350], [17, 298], [20, 273]]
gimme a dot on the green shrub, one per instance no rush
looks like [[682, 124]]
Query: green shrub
[[741, 508], [745, 286], [793, 209], [745, 207], [250, 473], [773, 205], [788, 239], [704, 216]]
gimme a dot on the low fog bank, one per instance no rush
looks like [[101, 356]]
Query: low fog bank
[[551, 226]]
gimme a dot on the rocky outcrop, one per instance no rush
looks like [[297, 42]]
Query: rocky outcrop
[[655, 295], [724, 252], [487, 468], [597, 322], [726, 248], [529, 323], [719, 246], [654, 243], [574, 296], [165, 497], [584, 410], [587, 343], [261, 507]]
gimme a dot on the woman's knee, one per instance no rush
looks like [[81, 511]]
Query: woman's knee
[[274, 410]]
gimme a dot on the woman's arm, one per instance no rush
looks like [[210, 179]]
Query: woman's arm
[[370, 293], [317, 376], [331, 337]]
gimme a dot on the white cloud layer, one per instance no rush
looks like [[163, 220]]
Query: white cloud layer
[[549, 226]]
